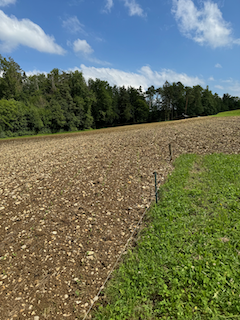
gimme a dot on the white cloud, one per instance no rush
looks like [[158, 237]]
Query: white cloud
[[234, 89], [98, 61], [35, 72], [236, 41], [4, 3], [158, 78], [108, 5], [230, 86], [227, 81], [219, 87], [73, 25], [82, 46], [85, 50], [218, 66], [145, 77], [211, 79], [134, 8], [14, 32], [114, 76], [205, 25]]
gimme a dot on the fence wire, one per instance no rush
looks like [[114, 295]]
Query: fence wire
[[131, 237], [114, 266]]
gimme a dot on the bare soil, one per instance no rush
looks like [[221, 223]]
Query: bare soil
[[69, 203]]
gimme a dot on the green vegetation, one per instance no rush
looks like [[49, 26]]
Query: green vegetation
[[63, 102], [44, 134], [186, 264], [228, 113]]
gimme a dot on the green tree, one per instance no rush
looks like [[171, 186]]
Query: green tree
[[126, 110], [35, 90], [141, 111], [11, 80], [167, 99], [155, 111], [195, 106], [84, 98], [150, 95], [103, 110], [208, 102], [140, 107], [230, 103], [115, 103], [13, 120], [63, 95], [34, 121], [189, 98], [177, 100], [56, 120]]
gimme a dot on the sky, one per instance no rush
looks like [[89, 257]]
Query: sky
[[127, 42]]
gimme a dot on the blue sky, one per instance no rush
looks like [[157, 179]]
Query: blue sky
[[127, 42]]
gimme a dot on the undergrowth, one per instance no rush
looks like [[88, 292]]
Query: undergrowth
[[187, 262]]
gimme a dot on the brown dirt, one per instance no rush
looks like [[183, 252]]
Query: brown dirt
[[68, 205]]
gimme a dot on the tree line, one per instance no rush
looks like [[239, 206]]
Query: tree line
[[63, 101]]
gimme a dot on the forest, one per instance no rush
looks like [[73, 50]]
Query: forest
[[63, 101]]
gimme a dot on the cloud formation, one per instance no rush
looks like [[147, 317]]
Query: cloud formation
[[108, 5], [35, 72], [217, 65], [4, 3], [235, 88], [205, 26], [134, 8], [231, 86], [219, 87], [14, 32], [145, 77], [83, 49], [73, 25], [82, 46]]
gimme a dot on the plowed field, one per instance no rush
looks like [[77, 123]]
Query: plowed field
[[69, 203]]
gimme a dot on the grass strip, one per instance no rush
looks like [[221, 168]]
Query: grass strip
[[228, 113], [186, 264]]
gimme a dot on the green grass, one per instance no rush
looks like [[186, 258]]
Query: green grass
[[186, 264], [228, 113]]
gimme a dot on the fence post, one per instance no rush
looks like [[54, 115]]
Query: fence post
[[156, 189], [170, 152]]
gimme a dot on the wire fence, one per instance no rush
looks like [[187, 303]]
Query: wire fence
[[114, 266], [130, 238]]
